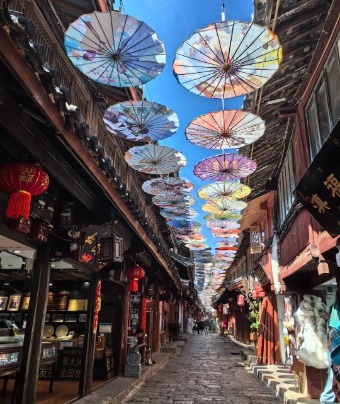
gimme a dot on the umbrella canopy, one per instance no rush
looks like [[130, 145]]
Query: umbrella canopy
[[153, 159], [141, 121], [192, 237], [179, 214], [225, 129], [223, 235], [164, 185], [222, 224], [173, 200], [224, 190], [183, 224], [226, 248], [226, 215], [196, 247], [224, 205], [225, 231], [114, 49], [227, 59], [226, 240], [224, 167]]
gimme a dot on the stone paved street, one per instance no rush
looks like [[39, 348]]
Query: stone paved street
[[209, 369]]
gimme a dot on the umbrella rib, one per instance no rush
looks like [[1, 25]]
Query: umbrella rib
[[103, 32], [130, 65], [212, 50], [121, 36]]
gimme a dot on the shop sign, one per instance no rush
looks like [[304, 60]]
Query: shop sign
[[97, 307], [319, 188], [69, 364], [255, 240]]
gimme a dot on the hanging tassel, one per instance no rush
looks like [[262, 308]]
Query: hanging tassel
[[19, 204], [133, 285]]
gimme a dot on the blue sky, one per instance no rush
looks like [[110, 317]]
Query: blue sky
[[174, 21]]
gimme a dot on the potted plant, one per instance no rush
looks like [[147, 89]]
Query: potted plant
[[253, 318]]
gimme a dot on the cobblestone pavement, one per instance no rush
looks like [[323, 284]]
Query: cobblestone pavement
[[208, 370]]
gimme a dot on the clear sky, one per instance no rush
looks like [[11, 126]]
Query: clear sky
[[174, 21]]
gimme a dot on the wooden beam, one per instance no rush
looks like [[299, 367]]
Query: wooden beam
[[29, 81]]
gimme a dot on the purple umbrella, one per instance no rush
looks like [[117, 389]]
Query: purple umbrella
[[224, 167]]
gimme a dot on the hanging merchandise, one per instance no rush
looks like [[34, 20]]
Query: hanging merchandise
[[173, 201], [225, 129], [227, 59], [164, 185], [312, 318], [224, 167], [179, 214], [224, 190], [22, 181], [152, 159], [141, 121], [134, 274], [114, 49]]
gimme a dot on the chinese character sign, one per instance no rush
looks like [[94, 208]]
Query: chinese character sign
[[255, 240], [319, 188], [97, 306]]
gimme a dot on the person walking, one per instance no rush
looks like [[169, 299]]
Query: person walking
[[207, 325], [200, 327]]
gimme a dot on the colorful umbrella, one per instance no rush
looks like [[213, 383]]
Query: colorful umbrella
[[223, 235], [226, 248], [197, 237], [225, 231], [226, 240], [227, 59], [189, 241], [222, 224], [114, 49], [183, 224], [223, 205], [179, 214], [152, 159], [164, 185], [224, 190], [196, 247], [224, 167], [223, 216], [173, 200], [141, 121], [225, 129]]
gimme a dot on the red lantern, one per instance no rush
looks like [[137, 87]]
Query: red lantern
[[22, 180], [134, 273], [241, 300]]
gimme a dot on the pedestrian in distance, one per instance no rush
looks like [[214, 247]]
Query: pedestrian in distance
[[141, 344], [207, 325], [200, 327]]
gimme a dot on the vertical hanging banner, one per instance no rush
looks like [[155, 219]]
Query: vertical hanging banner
[[97, 305], [255, 240]]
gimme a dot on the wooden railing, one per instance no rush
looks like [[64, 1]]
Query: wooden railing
[[81, 96]]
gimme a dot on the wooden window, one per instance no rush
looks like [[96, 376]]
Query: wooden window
[[323, 108]]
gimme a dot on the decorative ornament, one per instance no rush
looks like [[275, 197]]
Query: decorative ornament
[[22, 180], [134, 273]]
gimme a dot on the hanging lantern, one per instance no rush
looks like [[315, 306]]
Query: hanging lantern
[[241, 300], [22, 180], [134, 273]]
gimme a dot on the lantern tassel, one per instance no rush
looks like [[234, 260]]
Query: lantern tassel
[[133, 285], [19, 204]]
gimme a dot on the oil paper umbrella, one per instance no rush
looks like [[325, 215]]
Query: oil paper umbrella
[[179, 214], [164, 185], [114, 49], [197, 237], [224, 190], [225, 129], [224, 167], [227, 59], [222, 224], [183, 224], [224, 205], [223, 216], [173, 200], [153, 159], [141, 121], [225, 231]]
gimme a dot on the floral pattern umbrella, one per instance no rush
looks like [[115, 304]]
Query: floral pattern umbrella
[[179, 214], [224, 190], [141, 121], [163, 185], [226, 240], [223, 216], [224, 205], [222, 224], [173, 200], [225, 129], [183, 224], [114, 49], [153, 159], [224, 167], [192, 237], [227, 59]]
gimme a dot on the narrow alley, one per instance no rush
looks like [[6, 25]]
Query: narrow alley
[[209, 369]]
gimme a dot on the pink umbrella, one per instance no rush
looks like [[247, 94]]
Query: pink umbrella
[[224, 167]]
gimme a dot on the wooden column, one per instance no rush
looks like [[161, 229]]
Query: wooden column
[[85, 384], [124, 325], [26, 388]]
